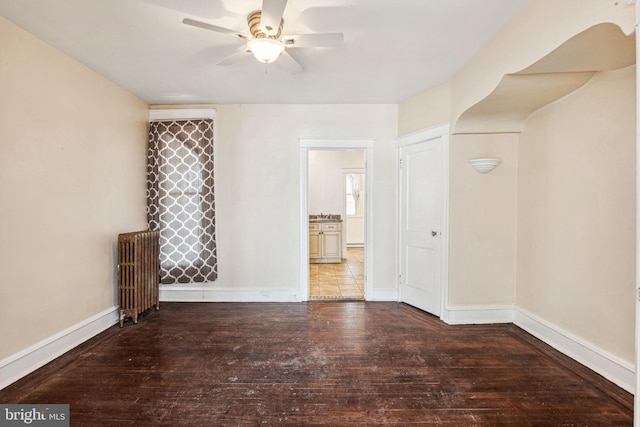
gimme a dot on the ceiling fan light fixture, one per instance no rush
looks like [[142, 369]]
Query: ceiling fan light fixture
[[265, 49]]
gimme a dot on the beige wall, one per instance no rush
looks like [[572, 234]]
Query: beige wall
[[258, 194], [483, 213], [72, 159], [576, 222], [551, 230], [425, 110], [522, 42], [72, 156], [515, 47], [72, 177], [326, 178]]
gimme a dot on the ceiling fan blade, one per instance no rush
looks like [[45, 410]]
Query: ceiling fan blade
[[272, 11], [215, 28], [235, 56], [313, 40], [289, 64]]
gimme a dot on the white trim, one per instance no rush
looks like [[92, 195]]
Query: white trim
[[330, 144], [28, 360], [304, 223], [593, 357], [477, 315], [347, 171], [616, 370], [611, 367], [636, 401], [335, 144], [182, 114], [423, 135], [369, 290], [211, 294], [388, 294], [444, 235]]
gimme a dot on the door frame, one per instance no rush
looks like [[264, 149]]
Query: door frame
[[440, 131], [307, 145], [636, 398]]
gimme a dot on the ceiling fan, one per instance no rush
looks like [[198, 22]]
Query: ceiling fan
[[266, 41]]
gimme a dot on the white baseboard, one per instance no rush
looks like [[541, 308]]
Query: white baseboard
[[211, 294], [28, 360], [475, 315], [390, 294], [616, 370]]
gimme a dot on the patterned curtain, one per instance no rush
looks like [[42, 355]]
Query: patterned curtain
[[180, 199]]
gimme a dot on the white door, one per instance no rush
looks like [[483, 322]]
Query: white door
[[421, 249]]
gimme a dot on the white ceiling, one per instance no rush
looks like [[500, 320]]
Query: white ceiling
[[392, 49]]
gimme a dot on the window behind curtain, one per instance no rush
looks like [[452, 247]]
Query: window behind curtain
[[180, 199]]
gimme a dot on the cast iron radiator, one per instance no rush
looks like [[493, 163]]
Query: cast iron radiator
[[138, 273]]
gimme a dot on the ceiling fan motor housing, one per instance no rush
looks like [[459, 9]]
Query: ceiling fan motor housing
[[256, 30]]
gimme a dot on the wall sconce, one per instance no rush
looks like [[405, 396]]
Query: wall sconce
[[484, 165]]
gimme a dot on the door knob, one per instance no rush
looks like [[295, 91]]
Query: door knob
[[434, 233]]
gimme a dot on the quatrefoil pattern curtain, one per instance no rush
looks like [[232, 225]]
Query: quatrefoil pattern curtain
[[180, 199]]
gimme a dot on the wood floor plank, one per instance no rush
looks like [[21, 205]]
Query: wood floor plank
[[319, 363]]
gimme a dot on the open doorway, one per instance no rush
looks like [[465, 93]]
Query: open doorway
[[336, 204], [335, 231]]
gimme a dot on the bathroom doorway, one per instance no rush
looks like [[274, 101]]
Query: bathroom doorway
[[334, 188]]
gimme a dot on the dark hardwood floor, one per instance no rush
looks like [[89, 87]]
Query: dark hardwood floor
[[319, 363]]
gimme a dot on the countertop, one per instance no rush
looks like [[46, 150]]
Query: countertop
[[324, 218]]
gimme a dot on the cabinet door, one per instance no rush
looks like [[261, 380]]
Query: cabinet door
[[315, 245], [331, 244]]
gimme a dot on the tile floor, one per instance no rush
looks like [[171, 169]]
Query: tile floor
[[338, 281]]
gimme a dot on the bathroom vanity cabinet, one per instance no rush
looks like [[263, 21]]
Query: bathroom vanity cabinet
[[325, 242]]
